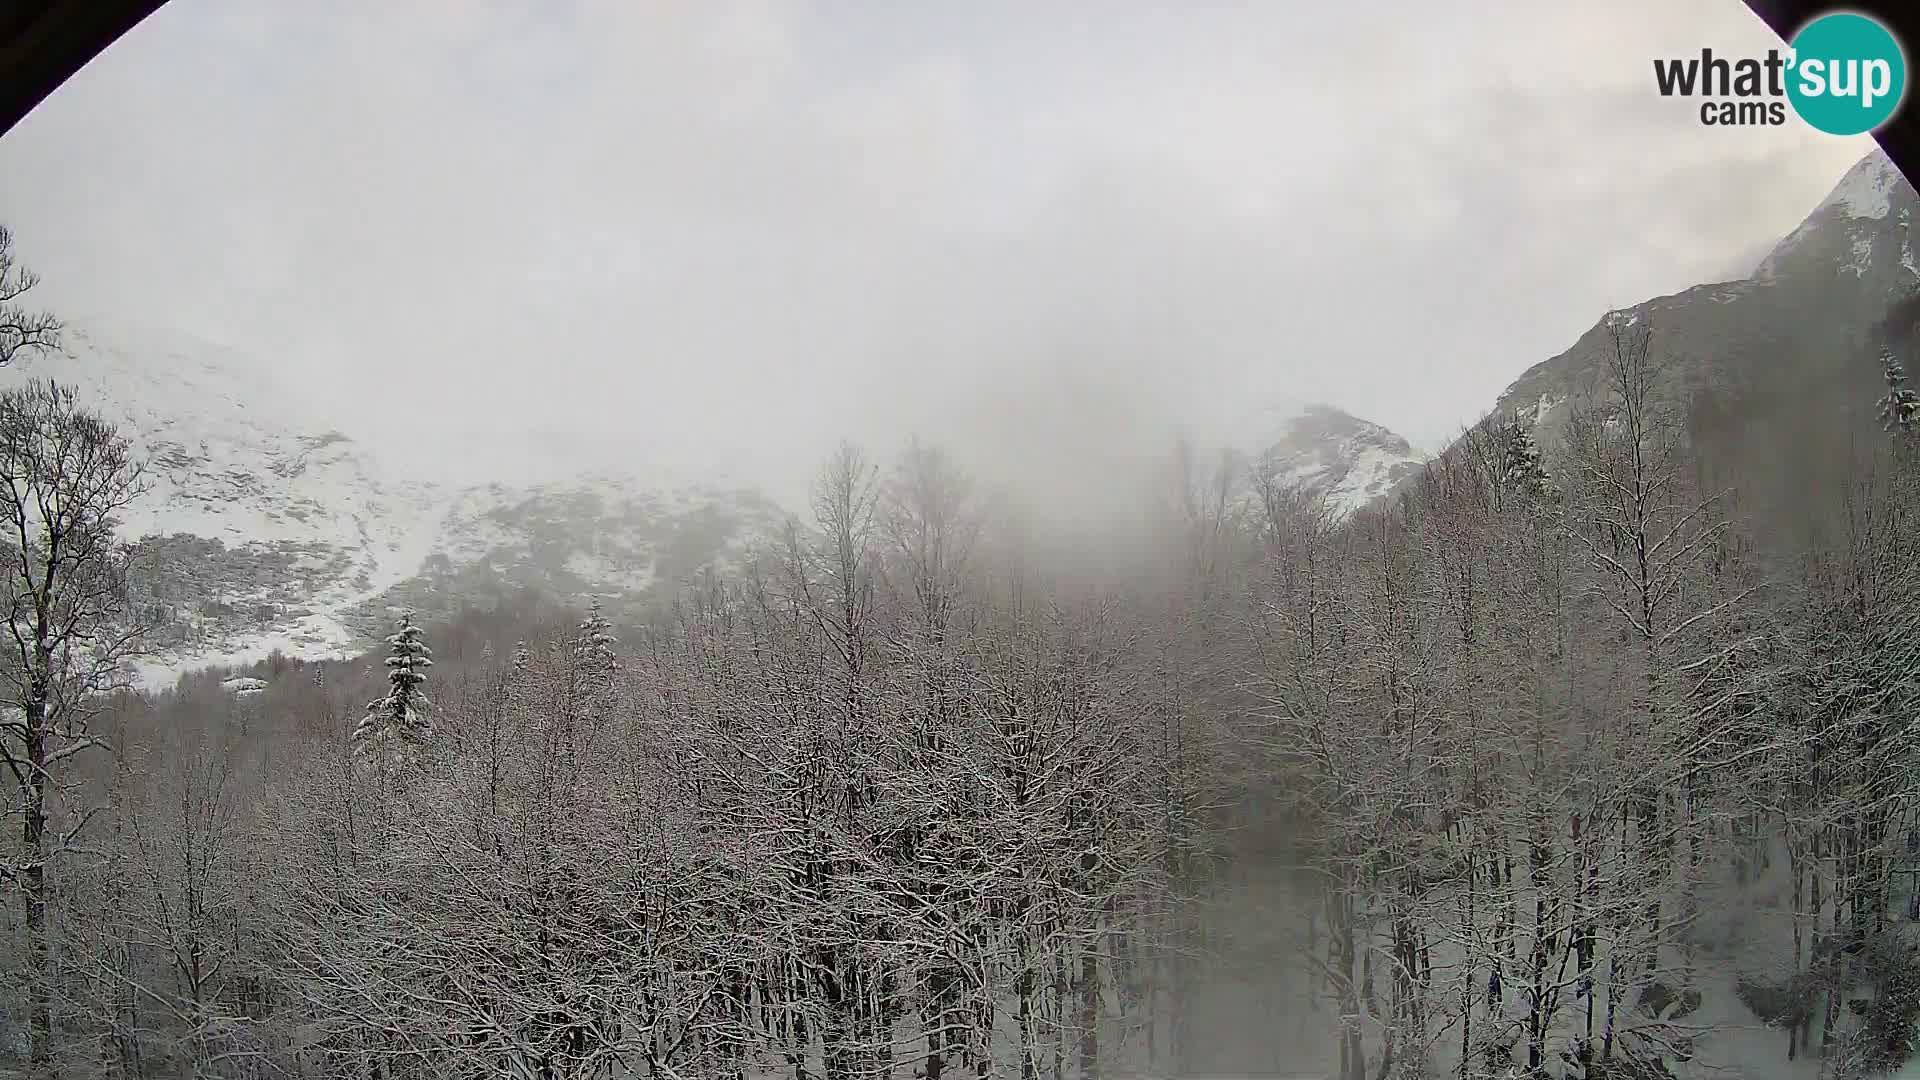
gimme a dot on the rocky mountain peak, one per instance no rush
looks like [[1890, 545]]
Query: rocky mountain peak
[[1863, 219], [1322, 448]]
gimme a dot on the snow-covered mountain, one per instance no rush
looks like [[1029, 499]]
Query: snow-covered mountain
[[1323, 449], [263, 528], [1859, 227], [1815, 310]]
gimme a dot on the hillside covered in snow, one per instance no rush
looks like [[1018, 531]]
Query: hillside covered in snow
[[263, 527]]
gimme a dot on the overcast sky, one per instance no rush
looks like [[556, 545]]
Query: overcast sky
[[711, 225]]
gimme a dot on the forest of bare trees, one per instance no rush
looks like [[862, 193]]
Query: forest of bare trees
[[1563, 764]]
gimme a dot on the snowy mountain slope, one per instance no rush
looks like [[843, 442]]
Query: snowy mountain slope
[[1813, 310], [227, 455], [1869, 198], [257, 525], [262, 527], [1323, 449], [605, 536]]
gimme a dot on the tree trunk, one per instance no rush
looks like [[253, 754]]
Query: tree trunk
[[1089, 1013], [34, 886]]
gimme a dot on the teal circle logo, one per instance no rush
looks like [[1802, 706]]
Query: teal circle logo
[[1848, 74]]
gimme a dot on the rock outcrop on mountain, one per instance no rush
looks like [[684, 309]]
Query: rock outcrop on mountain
[[1812, 316], [1323, 449]]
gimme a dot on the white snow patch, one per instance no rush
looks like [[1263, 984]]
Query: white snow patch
[[1862, 255], [243, 685], [1866, 191], [1370, 476], [1545, 405]]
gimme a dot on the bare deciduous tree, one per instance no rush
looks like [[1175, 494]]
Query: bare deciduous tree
[[65, 474], [21, 328]]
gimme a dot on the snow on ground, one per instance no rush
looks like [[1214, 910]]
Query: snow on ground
[[1256, 1004], [1374, 472], [157, 673], [1862, 255], [1865, 191], [319, 636], [1735, 1044]]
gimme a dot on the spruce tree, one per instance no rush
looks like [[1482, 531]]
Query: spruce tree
[[593, 650], [1900, 407], [403, 714], [1523, 469]]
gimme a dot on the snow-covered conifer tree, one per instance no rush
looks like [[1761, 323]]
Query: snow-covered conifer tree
[[402, 714], [593, 647], [1523, 468], [1900, 407]]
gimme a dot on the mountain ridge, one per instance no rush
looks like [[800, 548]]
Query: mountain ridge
[[1821, 295], [268, 527], [265, 526]]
